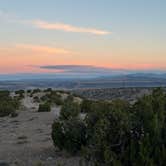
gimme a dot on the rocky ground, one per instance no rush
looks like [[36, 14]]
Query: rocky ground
[[128, 94], [26, 139]]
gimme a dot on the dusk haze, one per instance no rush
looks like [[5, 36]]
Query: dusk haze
[[111, 34], [82, 82]]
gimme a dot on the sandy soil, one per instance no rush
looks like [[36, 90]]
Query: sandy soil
[[26, 140]]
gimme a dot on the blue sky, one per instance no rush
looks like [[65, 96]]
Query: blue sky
[[136, 38]]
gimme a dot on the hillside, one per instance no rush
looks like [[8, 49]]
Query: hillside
[[56, 127]]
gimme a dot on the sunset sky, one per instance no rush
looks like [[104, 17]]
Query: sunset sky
[[115, 34]]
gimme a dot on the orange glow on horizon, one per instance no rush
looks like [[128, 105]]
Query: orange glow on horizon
[[27, 59]]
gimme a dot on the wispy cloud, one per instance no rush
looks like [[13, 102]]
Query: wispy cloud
[[42, 24], [43, 49], [67, 28]]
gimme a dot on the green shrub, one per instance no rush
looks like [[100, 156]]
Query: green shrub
[[69, 110], [44, 107], [69, 99], [44, 98], [69, 135], [58, 135], [55, 98], [6, 108], [31, 94], [20, 93], [128, 135], [8, 105], [107, 134], [4, 94], [36, 91], [116, 133], [52, 98], [29, 91], [48, 90], [86, 105], [36, 99]]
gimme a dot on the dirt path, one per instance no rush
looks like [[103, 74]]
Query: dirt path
[[29, 104], [26, 140]]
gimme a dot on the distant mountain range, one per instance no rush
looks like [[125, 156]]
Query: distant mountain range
[[82, 72], [86, 75], [75, 81]]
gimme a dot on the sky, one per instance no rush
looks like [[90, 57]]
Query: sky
[[103, 34]]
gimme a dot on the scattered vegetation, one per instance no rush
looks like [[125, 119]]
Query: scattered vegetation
[[20, 93], [86, 105], [8, 105], [69, 135], [115, 133], [36, 91], [45, 107], [29, 91], [53, 97], [36, 99], [70, 109], [48, 90]]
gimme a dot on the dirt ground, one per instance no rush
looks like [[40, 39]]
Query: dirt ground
[[26, 140]]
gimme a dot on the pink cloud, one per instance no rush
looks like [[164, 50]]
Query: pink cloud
[[53, 26], [68, 28], [43, 49]]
